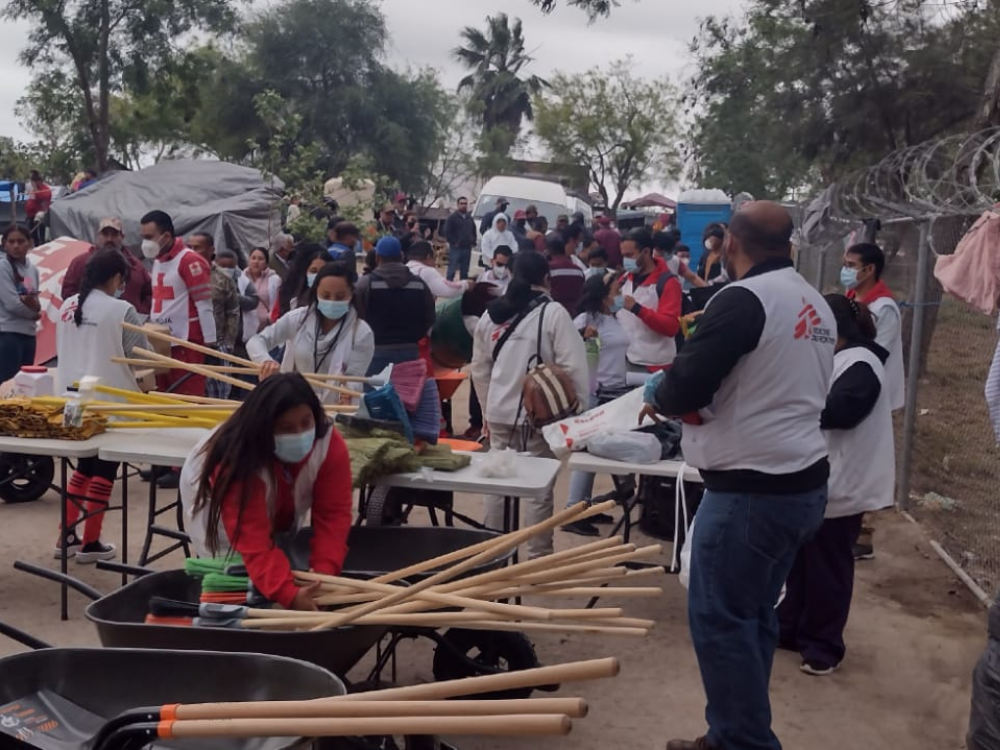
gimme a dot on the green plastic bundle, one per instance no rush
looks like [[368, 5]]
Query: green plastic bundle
[[220, 583], [197, 567]]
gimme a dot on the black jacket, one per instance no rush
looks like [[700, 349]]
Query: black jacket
[[460, 231]]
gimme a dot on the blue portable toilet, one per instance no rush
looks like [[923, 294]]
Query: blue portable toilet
[[696, 209]]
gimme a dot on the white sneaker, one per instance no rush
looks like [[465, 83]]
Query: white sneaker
[[818, 670], [91, 553]]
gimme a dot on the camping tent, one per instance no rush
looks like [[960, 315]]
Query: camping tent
[[233, 204]]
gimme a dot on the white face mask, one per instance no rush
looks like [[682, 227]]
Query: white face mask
[[150, 248], [709, 245], [501, 271]]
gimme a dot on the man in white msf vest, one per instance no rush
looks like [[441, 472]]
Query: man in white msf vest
[[751, 384], [182, 299]]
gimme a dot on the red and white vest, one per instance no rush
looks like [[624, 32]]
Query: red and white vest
[[171, 300]]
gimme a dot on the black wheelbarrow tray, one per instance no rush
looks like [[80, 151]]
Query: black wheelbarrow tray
[[120, 616], [114, 699]]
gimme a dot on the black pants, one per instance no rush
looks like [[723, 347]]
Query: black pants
[[819, 589], [475, 408], [95, 467]]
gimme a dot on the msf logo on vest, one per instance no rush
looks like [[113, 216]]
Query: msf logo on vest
[[808, 326]]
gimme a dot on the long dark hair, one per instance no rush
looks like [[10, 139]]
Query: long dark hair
[[101, 267], [530, 269], [295, 283], [15, 229], [595, 290], [855, 323], [244, 444]]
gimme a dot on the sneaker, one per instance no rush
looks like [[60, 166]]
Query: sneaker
[[864, 551], [602, 519], [583, 528], [91, 553], [169, 481], [818, 669], [473, 433], [72, 543], [699, 744], [148, 475]]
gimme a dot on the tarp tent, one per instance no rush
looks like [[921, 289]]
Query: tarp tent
[[233, 204]]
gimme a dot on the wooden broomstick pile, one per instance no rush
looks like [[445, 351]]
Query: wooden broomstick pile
[[420, 709], [479, 602]]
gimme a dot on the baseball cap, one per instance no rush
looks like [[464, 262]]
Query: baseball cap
[[519, 214], [111, 222], [389, 247], [400, 197]]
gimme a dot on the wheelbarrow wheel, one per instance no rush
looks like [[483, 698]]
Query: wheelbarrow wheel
[[24, 479], [471, 653], [384, 507]]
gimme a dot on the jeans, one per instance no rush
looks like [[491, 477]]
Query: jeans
[[391, 355], [743, 548], [459, 259], [16, 351]]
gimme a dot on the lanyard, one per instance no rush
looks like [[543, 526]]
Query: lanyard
[[318, 360]]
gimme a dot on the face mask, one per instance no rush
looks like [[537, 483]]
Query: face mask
[[293, 448], [501, 271], [333, 309], [119, 292], [595, 271], [310, 280], [618, 303], [849, 277], [709, 245], [630, 264], [150, 248]]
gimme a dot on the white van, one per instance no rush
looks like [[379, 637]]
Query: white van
[[550, 198]]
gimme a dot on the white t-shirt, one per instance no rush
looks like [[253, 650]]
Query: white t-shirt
[[612, 365]]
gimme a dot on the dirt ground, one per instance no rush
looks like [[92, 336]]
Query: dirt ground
[[914, 636]]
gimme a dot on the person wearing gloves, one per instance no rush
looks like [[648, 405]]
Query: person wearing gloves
[[751, 385], [597, 322], [420, 261], [397, 305], [499, 274], [324, 336], [274, 467], [857, 423], [88, 336], [20, 308], [498, 373], [182, 299], [651, 313], [499, 234]]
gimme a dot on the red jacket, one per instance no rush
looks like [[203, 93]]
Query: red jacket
[[40, 200], [665, 318], [138, 285], [251, 528]]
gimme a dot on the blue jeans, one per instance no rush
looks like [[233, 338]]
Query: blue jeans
[[16, 351], [742, 549], [459, 260]]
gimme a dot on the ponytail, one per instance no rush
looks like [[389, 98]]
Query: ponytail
[[101, 267], [854, 320]]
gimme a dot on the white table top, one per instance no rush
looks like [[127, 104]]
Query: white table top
[[583, 461], [534, 478], [55, 448], [159, 447]]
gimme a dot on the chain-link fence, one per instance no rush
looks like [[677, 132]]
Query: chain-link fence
[[947, 460]]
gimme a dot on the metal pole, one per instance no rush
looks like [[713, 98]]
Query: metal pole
[[913, 373], [821, 268]]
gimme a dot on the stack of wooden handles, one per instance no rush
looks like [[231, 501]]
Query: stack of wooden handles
[[579, 572], [420, 709]]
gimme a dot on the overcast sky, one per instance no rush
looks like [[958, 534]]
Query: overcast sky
[[655, 32]]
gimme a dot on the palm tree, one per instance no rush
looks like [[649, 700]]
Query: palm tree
[[500, 98]]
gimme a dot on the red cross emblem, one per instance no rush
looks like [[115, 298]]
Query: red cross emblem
[[161, 292]]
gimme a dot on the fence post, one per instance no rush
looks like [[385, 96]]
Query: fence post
[[913, 372]]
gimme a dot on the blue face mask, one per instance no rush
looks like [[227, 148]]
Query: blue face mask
[[333, 309], [849, 277], [630, 264], [310, 279], [618, 303], [119, 292], [293, 448]]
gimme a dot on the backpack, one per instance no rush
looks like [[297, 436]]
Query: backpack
[[547, 392]]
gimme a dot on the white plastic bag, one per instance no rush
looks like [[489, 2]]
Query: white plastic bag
[[498, 464], [685, 573], [574, 433], [630, 447]]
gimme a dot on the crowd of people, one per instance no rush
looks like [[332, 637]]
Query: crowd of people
[[785, 395]]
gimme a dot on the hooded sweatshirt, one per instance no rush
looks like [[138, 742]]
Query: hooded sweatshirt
[[499, 383], [494, 238]]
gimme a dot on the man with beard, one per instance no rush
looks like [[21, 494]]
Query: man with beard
[[138, 285]]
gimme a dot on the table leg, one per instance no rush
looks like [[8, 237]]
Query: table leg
[[124, 520], [63, 560], [150, 521]]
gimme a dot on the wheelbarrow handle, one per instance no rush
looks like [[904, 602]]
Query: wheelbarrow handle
[[19, 635], [117, 567], [77, 585]]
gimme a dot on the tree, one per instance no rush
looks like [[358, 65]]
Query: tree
[[797, 92], [106, 43], [622, 128], [498, 94], [594, 8]]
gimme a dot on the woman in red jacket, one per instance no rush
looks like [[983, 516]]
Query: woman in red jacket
[[260, 475]]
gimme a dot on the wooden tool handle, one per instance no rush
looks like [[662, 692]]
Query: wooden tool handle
[[509, 725], [573, 707], [557, 674], [208, 351], [197, 369]]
